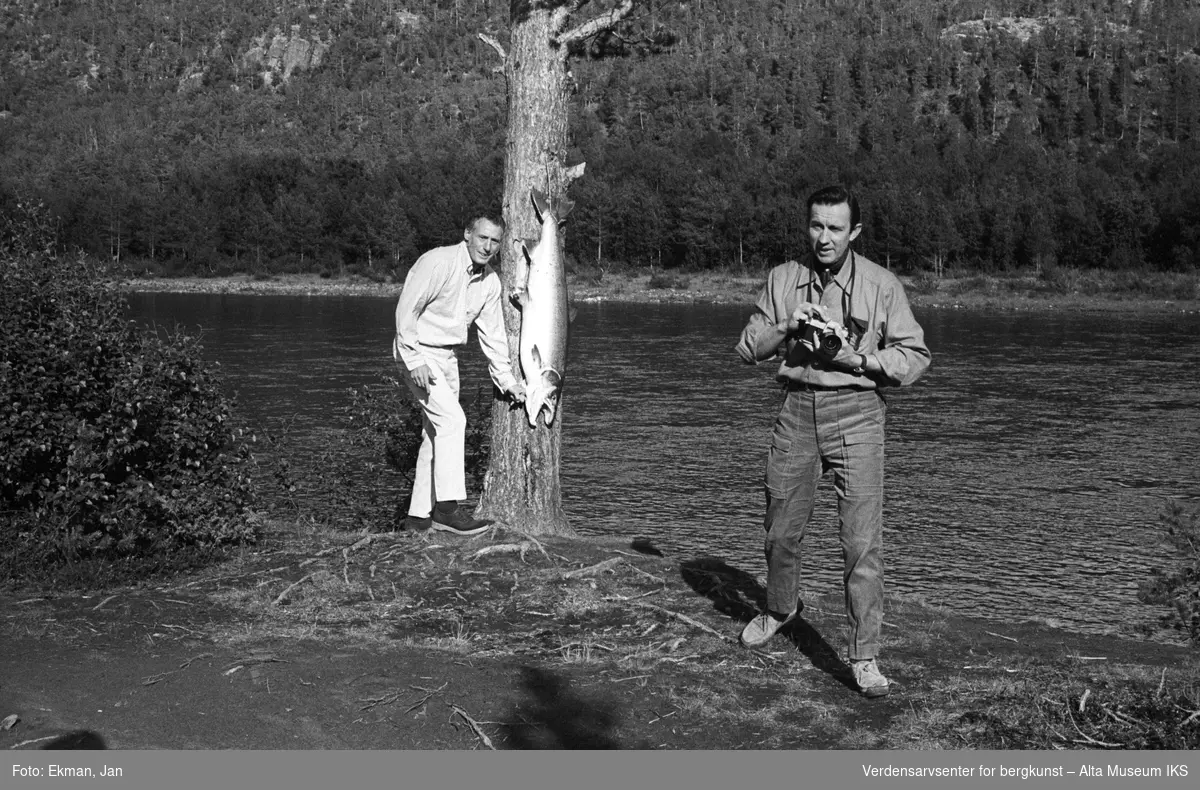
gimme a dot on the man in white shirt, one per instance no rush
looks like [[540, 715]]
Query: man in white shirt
[[447, 290]]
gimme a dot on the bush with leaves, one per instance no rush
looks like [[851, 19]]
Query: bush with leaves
[[365, 476], [117, 453], [1179, 588]]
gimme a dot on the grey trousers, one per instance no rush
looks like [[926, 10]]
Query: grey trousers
[[839, 431]]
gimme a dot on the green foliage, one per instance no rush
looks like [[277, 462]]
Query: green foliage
[[116, 447], [361, 474], [1179, 587], [386, 420], [660, 280]]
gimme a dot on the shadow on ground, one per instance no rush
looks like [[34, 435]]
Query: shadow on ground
[[80, 739], [738, 595], [553, 716]]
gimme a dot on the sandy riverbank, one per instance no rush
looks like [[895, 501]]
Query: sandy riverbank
[[992, 293]]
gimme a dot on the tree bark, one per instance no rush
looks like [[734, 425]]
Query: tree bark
[[522, 487]]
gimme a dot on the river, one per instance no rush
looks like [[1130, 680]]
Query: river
[[1027, 471]]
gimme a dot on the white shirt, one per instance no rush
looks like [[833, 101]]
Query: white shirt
[[444, 293]]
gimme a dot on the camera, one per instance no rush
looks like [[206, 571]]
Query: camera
[[822, 338]]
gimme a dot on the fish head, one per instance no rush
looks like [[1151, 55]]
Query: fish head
[[544, 394], [552, 388], [534, 398]]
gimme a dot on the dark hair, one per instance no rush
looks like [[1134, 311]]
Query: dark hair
[[497, 221], [834, 196]]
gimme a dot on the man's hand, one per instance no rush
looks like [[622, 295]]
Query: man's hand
[[423, 377], [517, 392], [802, 315]]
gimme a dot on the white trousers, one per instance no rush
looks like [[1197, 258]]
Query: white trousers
[[440, 474]]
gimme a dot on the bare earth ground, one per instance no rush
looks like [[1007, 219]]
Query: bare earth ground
[[325, 640]]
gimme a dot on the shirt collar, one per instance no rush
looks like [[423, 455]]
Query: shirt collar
[[813, 278]]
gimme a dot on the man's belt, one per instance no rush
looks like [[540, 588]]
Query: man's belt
[[800, 386]]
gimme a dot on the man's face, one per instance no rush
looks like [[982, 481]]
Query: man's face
[[483, 240], [830, 234]]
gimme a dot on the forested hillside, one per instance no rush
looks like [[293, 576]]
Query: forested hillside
[[275, 135]]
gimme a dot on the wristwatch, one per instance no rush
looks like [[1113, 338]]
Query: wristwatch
[[861, 367]]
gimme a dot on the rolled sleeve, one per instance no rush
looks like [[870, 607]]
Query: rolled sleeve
[[763, 320], [904, 355], [747, 346]]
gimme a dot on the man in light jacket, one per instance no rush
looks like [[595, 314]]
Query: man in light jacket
[[844, 329]]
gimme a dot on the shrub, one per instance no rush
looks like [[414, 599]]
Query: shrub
[[1061, 279], [1179, 588], [667, 281], [117, 453], [364, 475]]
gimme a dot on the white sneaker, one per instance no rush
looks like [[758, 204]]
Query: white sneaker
[[870, 680], [760, 630]]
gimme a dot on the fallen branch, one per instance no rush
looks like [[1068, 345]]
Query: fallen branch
[[359, 544], [502, 548], [1083, 700], [649, 575], [1001, 636], [684, 618], [1161, 682], [35, 740], [624, 598], [152, 679], [100, 605], [1088, 738], [475, 726], [535, 542], [1122, 718], [593, 570], [283, 595], [386, 699], [219, 579], [427, 697], [257, 660]]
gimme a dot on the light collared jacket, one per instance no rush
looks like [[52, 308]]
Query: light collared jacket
[[444, 293], [865, 298]]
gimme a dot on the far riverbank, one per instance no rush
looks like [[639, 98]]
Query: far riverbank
[[1178, 294]]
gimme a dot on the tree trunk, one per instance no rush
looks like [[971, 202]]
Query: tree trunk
[[522, 487]]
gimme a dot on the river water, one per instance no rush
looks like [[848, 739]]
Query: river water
[[1027, 471]]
